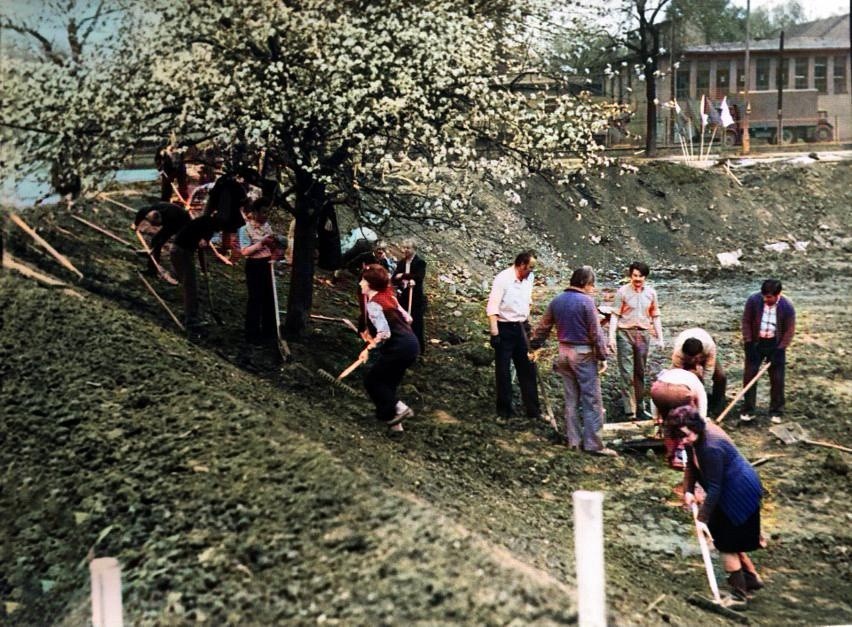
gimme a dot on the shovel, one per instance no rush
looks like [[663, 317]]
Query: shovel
[[283, 347], [717, 604], [792, 432]]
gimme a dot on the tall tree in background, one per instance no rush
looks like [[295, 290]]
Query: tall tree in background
[[768, 22], [78, 93], [643, 40], [706, 22]]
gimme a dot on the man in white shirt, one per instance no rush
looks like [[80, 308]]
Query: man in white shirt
[[508, 313], [695, 350]]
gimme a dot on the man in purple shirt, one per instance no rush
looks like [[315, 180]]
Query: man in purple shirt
[[582, 346], [768, 325]]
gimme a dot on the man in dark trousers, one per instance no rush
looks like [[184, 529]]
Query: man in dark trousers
[[173, 178], [508, 317], [409, 278], [227, 198], [189, 239], [768, 325], [170, 218]]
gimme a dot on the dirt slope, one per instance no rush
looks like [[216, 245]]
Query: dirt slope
[[232, 492]]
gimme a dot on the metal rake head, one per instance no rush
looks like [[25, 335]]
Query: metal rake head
[[337, 382]]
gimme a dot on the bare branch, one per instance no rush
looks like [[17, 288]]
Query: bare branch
[[46, 46]]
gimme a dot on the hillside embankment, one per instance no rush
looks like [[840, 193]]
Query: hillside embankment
[[233, 491]]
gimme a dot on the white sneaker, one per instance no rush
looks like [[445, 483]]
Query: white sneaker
[[403, 411], [746, 418]]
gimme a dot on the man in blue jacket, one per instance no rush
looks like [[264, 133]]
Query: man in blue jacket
[[582, 346], [768, 325]]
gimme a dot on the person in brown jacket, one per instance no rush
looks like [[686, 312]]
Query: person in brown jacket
[[768, 325]]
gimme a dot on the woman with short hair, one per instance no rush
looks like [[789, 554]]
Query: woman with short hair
[[389, 333], [731, 507]]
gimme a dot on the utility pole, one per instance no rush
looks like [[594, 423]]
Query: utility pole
[[746, 142], [781, 79]]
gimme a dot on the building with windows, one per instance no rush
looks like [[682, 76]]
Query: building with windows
[[813, 72]]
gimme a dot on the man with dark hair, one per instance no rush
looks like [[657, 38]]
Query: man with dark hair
[[196, 234], [635, 311], [226, 200], [582, 350], [508, 312], [170, 218], [695, 350], [768, 325]]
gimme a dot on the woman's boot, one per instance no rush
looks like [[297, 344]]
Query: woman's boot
[[752, 581], [737, 584]]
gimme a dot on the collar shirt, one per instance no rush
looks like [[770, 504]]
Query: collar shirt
[[709, 348], [635, 310], [510, 297], [769, 321]]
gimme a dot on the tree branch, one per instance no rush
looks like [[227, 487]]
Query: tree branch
[[46, 46]]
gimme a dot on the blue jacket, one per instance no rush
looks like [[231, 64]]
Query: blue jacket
[[726, 476]]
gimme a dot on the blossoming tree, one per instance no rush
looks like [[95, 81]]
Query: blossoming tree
[[345, 98]]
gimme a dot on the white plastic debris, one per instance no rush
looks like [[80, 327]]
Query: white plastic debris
[[778, 247], [730, 259], [801, 246]]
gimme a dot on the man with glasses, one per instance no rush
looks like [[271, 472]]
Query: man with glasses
[[508, 317]]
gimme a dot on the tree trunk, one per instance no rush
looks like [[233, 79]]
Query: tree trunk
[[651, 116], [300, 297]]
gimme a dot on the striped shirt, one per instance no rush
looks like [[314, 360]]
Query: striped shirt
[[635, 310]]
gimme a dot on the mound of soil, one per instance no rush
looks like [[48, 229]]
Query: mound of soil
[[233, 491]]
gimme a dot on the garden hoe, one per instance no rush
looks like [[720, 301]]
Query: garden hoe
[[283, 347], [716, 604]]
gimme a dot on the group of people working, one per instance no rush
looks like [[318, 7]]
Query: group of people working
[[393, 303], [732, 492]]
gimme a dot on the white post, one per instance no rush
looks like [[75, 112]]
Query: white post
[[106, 592], [589, 553]]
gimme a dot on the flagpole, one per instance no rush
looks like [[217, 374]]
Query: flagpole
[[710, 145]]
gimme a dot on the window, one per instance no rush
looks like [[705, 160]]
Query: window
[[840, 75], [801, 69], [723, 79], [761, 79], [682, 84], [702, 77], [739, 75], [820, 74]]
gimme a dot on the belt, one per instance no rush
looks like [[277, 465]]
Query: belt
[[580, 349]]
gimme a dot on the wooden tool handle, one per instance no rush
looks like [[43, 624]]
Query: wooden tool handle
[[742, 392]]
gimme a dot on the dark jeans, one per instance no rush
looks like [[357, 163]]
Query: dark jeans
[[513, 348], [183, 263], [260, 308], [383, 379], [418, 312], [716, 402], [755, 354]]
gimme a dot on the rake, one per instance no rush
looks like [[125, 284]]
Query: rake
[[338, 380]]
